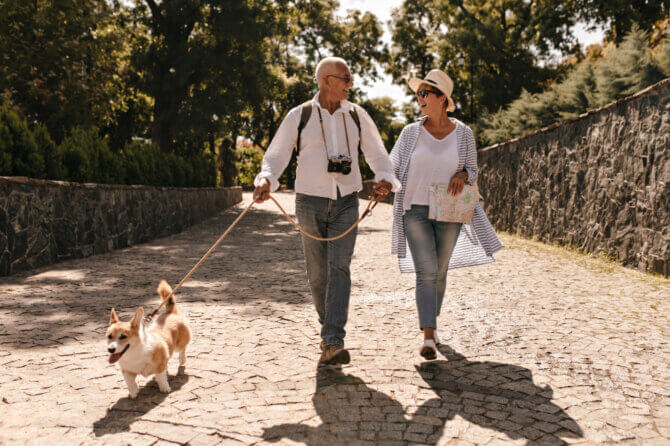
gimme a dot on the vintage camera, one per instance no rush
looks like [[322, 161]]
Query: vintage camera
[[340, 163]]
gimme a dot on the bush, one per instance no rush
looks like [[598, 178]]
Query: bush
[[87, 158], [141, 162], [53, 161], [248, 165], [145, 164], [19, 154]]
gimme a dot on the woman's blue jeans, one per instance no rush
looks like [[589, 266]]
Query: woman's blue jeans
[[327, 263], [431, 243]]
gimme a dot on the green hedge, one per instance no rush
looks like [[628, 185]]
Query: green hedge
[[19, 152], [85, 157]]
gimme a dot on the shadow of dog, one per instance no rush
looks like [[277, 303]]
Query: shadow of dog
[[126, 411]]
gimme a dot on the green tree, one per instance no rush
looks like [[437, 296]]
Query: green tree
[[630, 68], [383, 112], [306, 32], [664, 54], [58, 63], [19, 153], [622, 71], [491, 49], [623, 15], [202, 64]]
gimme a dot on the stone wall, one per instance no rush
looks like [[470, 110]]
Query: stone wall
[[599, 182], [42, 222]]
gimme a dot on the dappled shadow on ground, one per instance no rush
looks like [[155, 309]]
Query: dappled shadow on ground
[[261, 259], [126, 411], [495, 396]]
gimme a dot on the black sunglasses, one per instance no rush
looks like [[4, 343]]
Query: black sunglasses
[[427, 91], [346, 79]]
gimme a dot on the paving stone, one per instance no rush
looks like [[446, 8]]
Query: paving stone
[[543, 346]]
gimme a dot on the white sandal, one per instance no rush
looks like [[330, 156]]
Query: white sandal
[[428, 349]]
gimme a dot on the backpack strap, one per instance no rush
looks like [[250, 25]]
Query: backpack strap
[[354, 116], [305, 114]]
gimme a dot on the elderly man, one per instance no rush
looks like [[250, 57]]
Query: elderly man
[[327, 133]]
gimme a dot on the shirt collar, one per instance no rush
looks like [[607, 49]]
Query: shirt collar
[[345, 106]]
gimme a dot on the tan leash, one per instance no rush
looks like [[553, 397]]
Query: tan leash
[[371, 205]]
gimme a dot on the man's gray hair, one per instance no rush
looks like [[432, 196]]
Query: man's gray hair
[[324, 66]]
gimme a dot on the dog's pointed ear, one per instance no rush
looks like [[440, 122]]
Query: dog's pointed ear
[[113, 318], [137, 319]]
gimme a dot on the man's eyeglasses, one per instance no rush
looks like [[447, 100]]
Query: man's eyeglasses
[[346, 79], [426, 92]]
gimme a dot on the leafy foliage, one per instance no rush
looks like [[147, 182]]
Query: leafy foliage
[[87, 158], [58, 62], [19, 153], [664, 54], [623, 71], [624, 15], [145, 163], [491, 49], [629, 68], [92, 80], [248, 165]]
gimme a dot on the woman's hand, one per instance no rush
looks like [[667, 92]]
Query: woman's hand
[[456, 183]]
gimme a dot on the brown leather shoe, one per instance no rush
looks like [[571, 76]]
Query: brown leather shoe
[[333, 354]]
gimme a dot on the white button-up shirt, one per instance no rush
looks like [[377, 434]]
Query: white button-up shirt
[[312, 176]]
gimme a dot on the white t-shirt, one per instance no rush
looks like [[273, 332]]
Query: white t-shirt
[[434, 161]]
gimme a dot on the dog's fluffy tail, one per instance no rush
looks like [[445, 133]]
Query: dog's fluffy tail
[[164, 290]]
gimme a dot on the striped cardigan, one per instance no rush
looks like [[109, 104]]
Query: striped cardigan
[[477, 241]]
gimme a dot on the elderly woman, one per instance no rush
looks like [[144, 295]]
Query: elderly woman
[[435, 150]]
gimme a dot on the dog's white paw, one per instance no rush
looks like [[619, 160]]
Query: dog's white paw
[[165, 389], [133, 393]]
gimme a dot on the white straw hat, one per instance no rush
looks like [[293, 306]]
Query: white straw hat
[[438, 79]]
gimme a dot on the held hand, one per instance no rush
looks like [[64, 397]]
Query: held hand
[[381, 190], [262, 192], [457, 182]]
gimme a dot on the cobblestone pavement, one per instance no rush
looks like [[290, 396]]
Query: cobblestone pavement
[[544, 346]]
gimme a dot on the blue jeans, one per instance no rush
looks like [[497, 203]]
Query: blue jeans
[[431, 243], [328, 263]]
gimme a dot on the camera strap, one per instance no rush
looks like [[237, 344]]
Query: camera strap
[[306, 113], [346, 133], [323, 133]]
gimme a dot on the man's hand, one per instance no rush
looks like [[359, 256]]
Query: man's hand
[[381, 190], [456, 183], [262, 192]]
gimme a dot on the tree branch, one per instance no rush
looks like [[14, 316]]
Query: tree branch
[[159, 20], [472, 17]]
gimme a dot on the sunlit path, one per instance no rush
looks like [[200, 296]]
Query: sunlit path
[[544, 346]]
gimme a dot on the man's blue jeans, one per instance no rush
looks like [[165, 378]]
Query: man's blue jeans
[[431, 243], [328, 262]]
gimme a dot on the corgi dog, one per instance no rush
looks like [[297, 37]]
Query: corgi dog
[[145, 351]]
